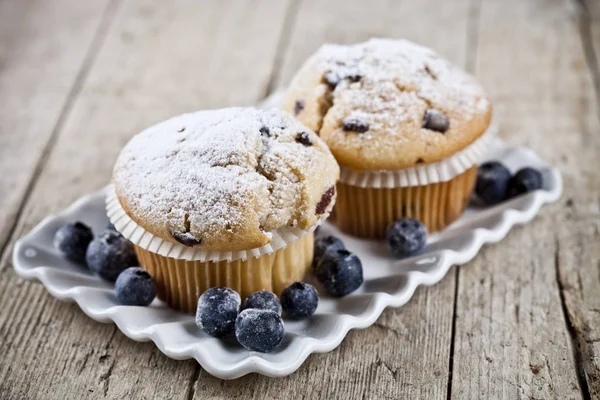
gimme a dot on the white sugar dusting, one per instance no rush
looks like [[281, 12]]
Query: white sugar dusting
[[392, 79], [212, 171]]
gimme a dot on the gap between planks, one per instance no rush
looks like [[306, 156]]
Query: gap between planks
[[289, 23], [577, 354], [584, 23], [472, 39]]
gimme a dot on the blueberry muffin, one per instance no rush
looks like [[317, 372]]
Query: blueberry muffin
[[406, 126], [223, 198]]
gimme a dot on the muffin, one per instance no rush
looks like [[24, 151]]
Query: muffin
[[223, 198], [406, 126]]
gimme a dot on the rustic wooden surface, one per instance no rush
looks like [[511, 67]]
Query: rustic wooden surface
[[78, 79]]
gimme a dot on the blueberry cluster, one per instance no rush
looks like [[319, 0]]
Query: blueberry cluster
[[496, 184], [110, 256], [258, 327], [257, 322], [337, 269]]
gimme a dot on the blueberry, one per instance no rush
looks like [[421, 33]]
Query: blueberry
[[406, 237], [135, 287], [299, 300], [109, 254], [324, 243], [340, 272], [259, 330], [218, 308], [263, 300], [110, 227], [492, 180], [72, 241], [524, 181]]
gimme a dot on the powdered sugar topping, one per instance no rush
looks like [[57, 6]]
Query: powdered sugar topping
[[211, 175], [383, 77]]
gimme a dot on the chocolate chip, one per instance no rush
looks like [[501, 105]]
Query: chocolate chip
[[419, 161], [436, 121], [303, 138], [331, 79], [186, 238], [355, 125], [325, 200], [299, 106], [430, 72], [354, 78], [265, 131]]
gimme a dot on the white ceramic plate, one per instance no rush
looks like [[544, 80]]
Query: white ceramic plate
[[388, 282]]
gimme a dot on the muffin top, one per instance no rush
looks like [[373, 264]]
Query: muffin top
[[225, 179], [388, 104]]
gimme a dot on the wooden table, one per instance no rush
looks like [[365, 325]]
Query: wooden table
[[79, 78]]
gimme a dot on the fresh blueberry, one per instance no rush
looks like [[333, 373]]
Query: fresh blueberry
[[110, 227], [263, 300], [259, 330], [524, 181], [135, 287], [492, 180], [218, 308], [323, 244], [110, 254], [406, 237], [299, 300], [340, 272], [72, 240]]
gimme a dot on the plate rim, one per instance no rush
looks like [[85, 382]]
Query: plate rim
[[254, 363]]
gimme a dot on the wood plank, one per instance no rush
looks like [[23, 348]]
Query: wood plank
[[38, 75], [406, 354], [51, 348], [512, 339], [587, 13], [578, 255], [158, 59]]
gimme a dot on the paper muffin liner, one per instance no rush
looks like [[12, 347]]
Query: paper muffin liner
[[181, 282], [182, 274], [441, 171], [366, 212], [140, 237]]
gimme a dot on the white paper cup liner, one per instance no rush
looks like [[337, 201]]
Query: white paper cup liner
[[139, 236], [441, 171]]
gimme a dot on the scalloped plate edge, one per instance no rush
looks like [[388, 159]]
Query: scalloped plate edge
[[380, 301]]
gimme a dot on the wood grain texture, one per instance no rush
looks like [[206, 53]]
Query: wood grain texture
[[44, 51], [577, 251], [512, 339], [520, 321], [158, 59]]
